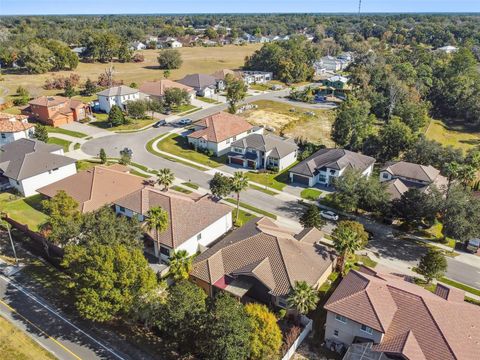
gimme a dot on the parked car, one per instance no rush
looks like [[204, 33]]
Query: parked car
[[185, 121], [159, 123], [330, 215], [473, 245]]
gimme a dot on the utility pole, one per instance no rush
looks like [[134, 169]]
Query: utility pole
[[359, 6]]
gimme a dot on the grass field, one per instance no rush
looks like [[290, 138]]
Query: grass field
[[195, 60], [16, 345], [310, 194], [453, 134], [77, 134], [243, 217], [24, 210], [60, 142], [274, 180], [293, 124]]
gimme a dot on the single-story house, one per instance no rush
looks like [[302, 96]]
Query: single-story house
[[384, 316], [205, 85], [217, 132], [14, 127], [137, 45], [96, 187], [256, 77], [156, 89], [30, 164], [326, 164], [194, 222], [117, 95], [402, 175], [259, 151], [169, 42], [262, 261], [56, 110]]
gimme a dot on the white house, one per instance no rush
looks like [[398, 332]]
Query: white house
[[448, 49], [31, 164], [194, 222], [256, 77], [137, 45], [175, 44], [14, 127], [117, 95], [326, 164], [258, 151], [218, 131]]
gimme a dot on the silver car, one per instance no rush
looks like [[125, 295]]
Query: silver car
[[330, 215]]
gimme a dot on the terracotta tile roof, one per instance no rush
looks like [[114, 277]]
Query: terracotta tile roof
[[265, 251], [188, 215], [220, 126], [14, 123], [96, 187], [157, 88], [416, 323]]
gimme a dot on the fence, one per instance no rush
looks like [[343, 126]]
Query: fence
[[307, 323]]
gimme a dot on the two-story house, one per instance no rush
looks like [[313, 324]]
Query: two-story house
[[218, 131], [14, 127], [56, 110], [194, 222], [401, 176], [256, 77], [259, 151], [383, 316], [326, 164], [117, 95]]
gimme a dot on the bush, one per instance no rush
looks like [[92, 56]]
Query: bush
[[61, 82], [138, 58], [169, 59]]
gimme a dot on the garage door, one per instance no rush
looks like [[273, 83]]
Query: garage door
[[236, 161], [300, 179]]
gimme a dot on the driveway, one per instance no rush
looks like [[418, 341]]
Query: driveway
[[92, 131]]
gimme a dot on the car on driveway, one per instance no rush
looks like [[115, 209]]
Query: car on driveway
[[330, 215], [185, 121], [159, 123]]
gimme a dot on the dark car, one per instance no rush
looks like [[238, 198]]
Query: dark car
[[159, 123]]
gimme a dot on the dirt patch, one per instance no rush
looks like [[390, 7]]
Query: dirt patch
[[270, 119]]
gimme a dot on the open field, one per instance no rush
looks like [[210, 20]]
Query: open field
[[24, 210], [453, 134], [297, 123], [15, 344], [195, 59]]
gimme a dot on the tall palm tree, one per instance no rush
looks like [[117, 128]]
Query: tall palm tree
[[157, 219], [4, 224], [165, 178], [239, 184], [348, 237], [303, 297], [180, 265]]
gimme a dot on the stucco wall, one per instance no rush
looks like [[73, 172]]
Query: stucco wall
[[347, 331]]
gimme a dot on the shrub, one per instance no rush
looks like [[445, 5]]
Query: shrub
[[138, 58], [169, 59]]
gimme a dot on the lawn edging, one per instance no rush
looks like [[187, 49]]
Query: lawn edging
[[252, 208]]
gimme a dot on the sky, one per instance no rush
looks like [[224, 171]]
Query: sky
[[40, 7]]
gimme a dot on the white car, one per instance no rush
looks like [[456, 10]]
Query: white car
[[185, 122], [330, 215]]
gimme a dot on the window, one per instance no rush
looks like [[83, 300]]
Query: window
[[3, 136], [122, 209], [335, 333], [366, 329], [282, 303], [385, 175], [164, 251], [234, 138], [341, 318], [228, 141], [199, 236]]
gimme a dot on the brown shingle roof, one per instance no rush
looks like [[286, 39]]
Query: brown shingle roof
[[416, 323], [263, 250], [188, 215], [96, 187], [412, 171], [48, 101], [220, 126], [13, 123], [157, 88]]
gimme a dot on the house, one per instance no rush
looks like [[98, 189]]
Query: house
[[259, 151], [175, 44], [401, 176], [337, 82], [208, 42], [117, 95], [194, 222], [222, 74], [156, 89], [217, 132], [448, 49], [56, 110], [169, 42], [326, 164], [96, 187], [14, 127], [205, 85], [78, 50], [330, 63], [262, 261], [256, 77], [30, 164], [383, 316], [137, 45]]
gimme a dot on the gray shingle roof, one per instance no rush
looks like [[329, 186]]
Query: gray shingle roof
[[412, 171], [280, 147], [198, 81], [334, 159], [118, 91], [25, 158]]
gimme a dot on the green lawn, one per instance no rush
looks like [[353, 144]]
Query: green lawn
[[191, 185], [26, 211], [178, 145], [274, 180], [15, 344], [181, 189], [243, 217], [134, 124], [208, 100], [86, 164], [57, 130], [184, 109], [138, 173], [76, 146], [451, 133], [259, 188], [310, 194], [252, 208], [60, 142], [259, 87]]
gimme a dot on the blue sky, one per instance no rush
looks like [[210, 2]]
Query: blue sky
[[225, 6]]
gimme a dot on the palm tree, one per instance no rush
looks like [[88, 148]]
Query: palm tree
[[239, 184], [165, 178], [348, 237], [180, 265], [303, 297], [4, 224], [157, 219]]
